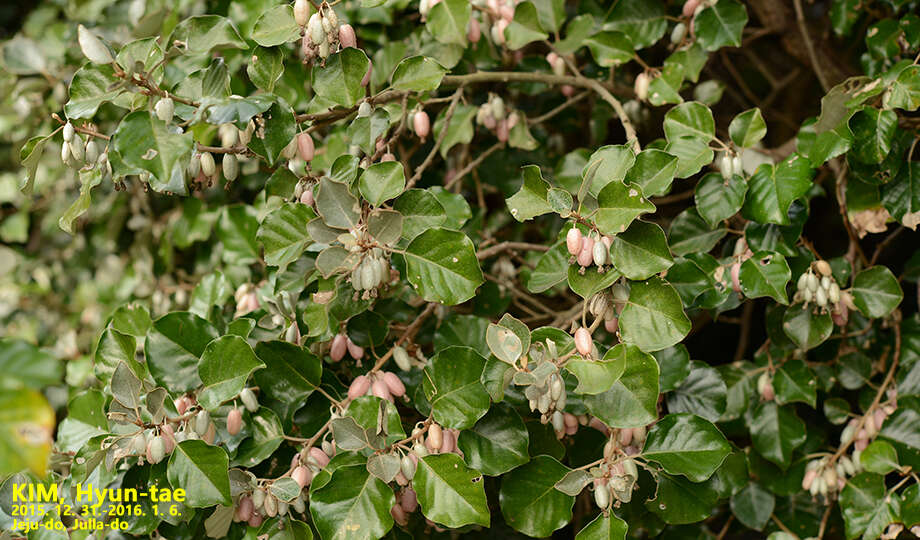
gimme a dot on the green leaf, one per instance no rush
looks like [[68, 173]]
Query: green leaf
[[30, 156], [692, 152], [618, 205], [364, 132], [508, 339], [352, 505], [447, 21], [284, 235], [336, 205], [418, 74], [529, 501], [276, 26], [89, 179], [680, 501], [551, 13], [632, 400], [552, 269], [747, 128], [686, 444], [113, 348], [675, 366], [794, 381], [497, 442], [459, 131], [765, 274], [26, 427], [873, 130], [24, 364], [291, 373], [442, 267], [718, 199], [610, 48], [604, 527], [641, 251], [85, 419], [91, 86], [530, 201], [702, 392], [452, 385], [524, 27], [279, 129], [771, 189], [225, 366], [905, 90], [202, 33], [691, 119], [265, 67], [213, 290], [865, 507], [595, 377], [173, 345], [753, 506], [202, 471], [421, 211], [806, 329], [879, 457], [644, 21], [876, 292], [144, 142], [690, 234], [775, 431], [901, 196], [720, 25], [608, 164], [339, 81], [653, 318], [653, 172], [588, 282], [450, 493], [237, 231], [576, 32], [382, 181]]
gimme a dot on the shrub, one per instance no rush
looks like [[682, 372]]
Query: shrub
[[380, 267]]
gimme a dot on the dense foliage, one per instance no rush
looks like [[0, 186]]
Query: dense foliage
[[499, 268]]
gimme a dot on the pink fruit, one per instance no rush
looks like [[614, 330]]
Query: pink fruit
[[379, 389], [503, 131], [736, 282], [244, 508], [356, 352], [303, 476], [319, 456], [841, 315], [473, 32], [573, 240], [347, 36], [234, 421], [399, 515], [571, 430], [448, 442], [612, 325], [388, 157], [394, 384], [583, 341], [169, 438], [409, 500], [307, 197], [489, 122], [570, 420], [879, 418], [598, 425], [809, 479], [507, 12], [421, 124], [401, 479], [552, 58], [435, 437], [359, 386], [367, 75], [305, 146], [567, 90], [625, 436], [586, 255], [182, 404], [255, 520], [339, 347], [690, 7]]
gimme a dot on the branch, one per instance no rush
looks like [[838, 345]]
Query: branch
[[473, 164], [498, 248], [809, 46]]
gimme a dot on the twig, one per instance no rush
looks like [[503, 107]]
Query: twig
[[809, 46], [855, 247], [498, 248], [558, 109], [885, 243], [473, 164]]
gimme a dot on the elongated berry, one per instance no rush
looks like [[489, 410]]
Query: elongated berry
[[573, 241], [234, 421], [305, 147], [583, 341]]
